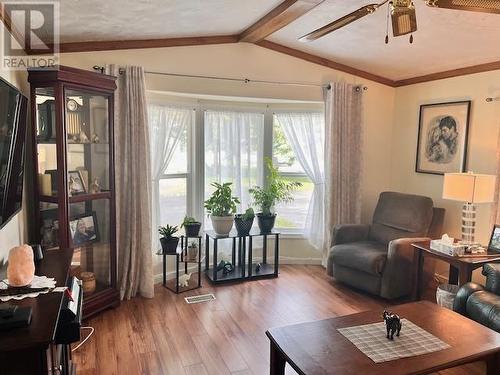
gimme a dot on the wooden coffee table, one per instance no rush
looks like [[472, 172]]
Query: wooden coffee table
[[318, 348]]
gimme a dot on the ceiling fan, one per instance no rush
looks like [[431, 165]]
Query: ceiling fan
[[403, 16]]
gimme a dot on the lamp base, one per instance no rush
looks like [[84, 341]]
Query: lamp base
[[468, 224]]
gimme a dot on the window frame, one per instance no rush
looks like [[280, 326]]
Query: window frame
[[195, 175]]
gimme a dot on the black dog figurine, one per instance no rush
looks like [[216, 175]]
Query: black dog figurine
[[392, 323]]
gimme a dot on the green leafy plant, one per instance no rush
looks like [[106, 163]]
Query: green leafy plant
[[221, 202], [276, 191], [193, 245], [249, 214], [168, 231], [189, 220]]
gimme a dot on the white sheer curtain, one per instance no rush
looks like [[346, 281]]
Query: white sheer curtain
[[234, 151], [305, 132], [167, 126]]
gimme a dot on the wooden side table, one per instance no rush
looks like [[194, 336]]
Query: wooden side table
[[460, 267]]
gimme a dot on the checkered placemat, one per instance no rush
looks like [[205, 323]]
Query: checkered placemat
[[372, 341]]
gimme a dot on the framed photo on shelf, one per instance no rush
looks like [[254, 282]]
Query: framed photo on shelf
[[76, 184], [49, 230], [84, 229], [442, 137], [494, 244]]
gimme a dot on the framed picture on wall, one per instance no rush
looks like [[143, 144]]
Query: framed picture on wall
[[494, 244], [442, 137]]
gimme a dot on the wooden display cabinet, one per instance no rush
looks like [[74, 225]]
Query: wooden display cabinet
[[72, 127]]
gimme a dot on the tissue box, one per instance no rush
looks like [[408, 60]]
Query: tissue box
[[446, 248]]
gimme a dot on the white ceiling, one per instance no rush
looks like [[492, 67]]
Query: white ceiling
[[446, 39], [91, 20]]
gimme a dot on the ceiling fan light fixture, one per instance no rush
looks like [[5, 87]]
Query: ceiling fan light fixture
[[404, 17], [484, 6]]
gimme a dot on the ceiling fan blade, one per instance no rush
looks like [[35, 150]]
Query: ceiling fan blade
[[485, 6], [341, 22]]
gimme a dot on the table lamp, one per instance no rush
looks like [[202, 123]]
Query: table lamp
[[472, 189]]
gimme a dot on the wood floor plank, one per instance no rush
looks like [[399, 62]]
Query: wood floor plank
[[164, 335]]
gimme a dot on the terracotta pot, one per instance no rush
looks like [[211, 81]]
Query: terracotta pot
[[88, 282]]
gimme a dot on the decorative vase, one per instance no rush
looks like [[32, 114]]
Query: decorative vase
[[266, 222], [243, 226], [88, 282], [169, 245], [222, 224], [192, 229]]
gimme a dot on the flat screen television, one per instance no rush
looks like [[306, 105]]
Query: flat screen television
[[13, 111]]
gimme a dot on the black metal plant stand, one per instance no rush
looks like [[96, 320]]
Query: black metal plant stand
[[244, 266], [182, 257]]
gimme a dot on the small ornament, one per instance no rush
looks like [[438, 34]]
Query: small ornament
[[71, 186], [184, 280], [392, 324], [257, 267], [95, 187], [95, 138], [83, 137]]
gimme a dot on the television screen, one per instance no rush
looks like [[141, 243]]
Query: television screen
[[13, 108]]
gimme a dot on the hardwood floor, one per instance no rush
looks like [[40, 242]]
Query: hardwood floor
[[165, 335]]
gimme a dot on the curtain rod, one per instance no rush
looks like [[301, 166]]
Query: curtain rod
[[496, 99], [243, 80]]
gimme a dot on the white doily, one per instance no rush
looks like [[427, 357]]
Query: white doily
[[38, 282]]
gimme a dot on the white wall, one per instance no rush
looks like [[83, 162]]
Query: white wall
[[249, 61], [14, 232], [483, 136]]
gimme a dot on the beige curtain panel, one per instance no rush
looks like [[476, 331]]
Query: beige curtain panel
[[343, 158], [133, 184]]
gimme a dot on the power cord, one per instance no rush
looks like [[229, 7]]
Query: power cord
[[92, 330]]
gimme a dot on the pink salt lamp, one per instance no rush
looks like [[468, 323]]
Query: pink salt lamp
[[21, 267]]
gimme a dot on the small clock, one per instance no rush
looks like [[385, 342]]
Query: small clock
[[72, 105]]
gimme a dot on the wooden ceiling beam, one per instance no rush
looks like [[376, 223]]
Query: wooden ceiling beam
[[285, 13], [325, 62]]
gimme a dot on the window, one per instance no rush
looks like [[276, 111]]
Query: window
[[170, 130], [292, 215], [191, 148]]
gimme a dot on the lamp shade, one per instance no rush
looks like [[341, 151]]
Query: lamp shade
[[469, 187]]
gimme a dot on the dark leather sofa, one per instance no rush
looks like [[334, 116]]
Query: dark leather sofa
[[378, 258], [482, 303]]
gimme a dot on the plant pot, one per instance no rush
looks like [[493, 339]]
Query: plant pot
[[243, 226], [222, 224], [266, 222], [192, 230], [192, 252], [169, 246]]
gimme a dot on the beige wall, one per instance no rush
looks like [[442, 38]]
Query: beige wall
[[483, 135], [14, 232], [253, 62]]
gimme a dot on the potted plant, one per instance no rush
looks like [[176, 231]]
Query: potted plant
[[191, 226], [243, 222], [168, 240], [277, 190], [192, 251], [221, 206]]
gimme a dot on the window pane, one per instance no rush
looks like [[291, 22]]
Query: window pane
[[179, 162], [173, 193], [293, 214]]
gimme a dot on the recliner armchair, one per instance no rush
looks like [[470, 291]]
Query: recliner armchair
[[481, 303], [378, 258]]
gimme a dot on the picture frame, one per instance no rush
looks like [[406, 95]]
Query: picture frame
[[49, 230], [84, 229], [76, 182], [443, 130], [494, 244]]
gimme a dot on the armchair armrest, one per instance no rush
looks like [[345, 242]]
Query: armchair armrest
[[397, 278], [492, 273], [345, 233], [465, 291]]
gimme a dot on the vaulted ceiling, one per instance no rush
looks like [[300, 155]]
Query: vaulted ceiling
[[445, 40]]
